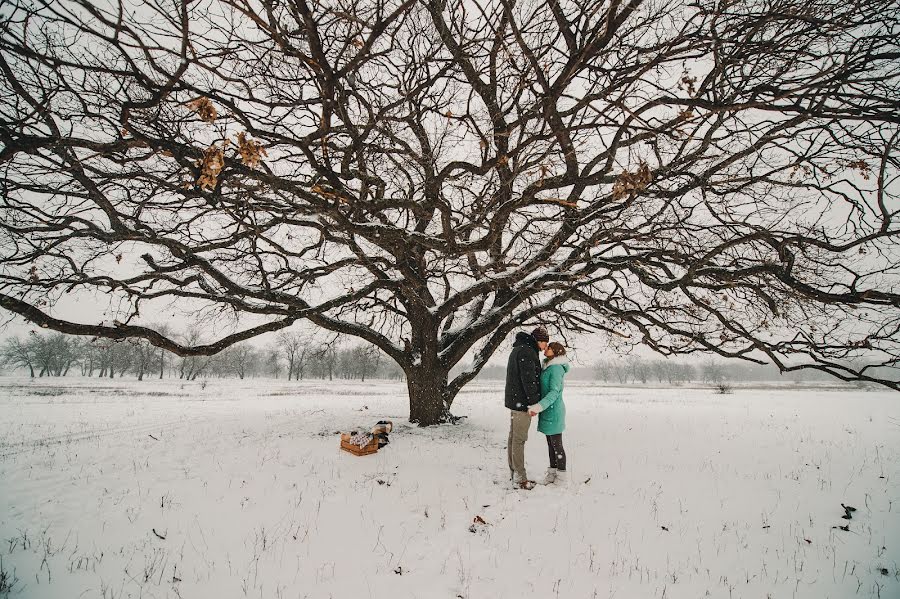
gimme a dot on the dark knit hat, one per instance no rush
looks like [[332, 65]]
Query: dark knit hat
[[540, 334]]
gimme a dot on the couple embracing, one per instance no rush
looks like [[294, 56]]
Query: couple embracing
[[534, 389]]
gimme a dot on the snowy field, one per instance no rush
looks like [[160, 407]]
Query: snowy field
[[113, 489]]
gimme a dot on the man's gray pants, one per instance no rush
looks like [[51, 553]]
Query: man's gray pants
[[519, 423]]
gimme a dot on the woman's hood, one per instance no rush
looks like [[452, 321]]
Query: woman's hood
[[559, 361]]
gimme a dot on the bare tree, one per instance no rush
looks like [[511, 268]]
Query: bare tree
[[107, 357], [603, 371], [367, 359], [144, 357], [274, 356], [661, 370], [54, 354], [18, 353], [713, 372], [638, 369], [429, 175], [192, 365], [246, 358], [620, 370], [294, 348], [162, 358], [358, 362], [325, 360]]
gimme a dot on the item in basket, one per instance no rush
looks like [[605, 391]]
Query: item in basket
[[360, 439]]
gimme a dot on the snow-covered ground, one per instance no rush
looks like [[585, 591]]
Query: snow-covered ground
[[114, 489]]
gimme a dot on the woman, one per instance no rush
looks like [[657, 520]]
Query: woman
[[551, 410]]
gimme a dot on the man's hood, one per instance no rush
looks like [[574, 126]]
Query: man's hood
[[525, 339]]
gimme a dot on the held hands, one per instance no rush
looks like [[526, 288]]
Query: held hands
[[535, 410]]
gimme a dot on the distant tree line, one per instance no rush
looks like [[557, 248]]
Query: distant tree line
[[638, 370], [290, 356], [633, 370]]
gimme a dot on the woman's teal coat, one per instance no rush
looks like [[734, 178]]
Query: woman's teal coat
[[552, 418]]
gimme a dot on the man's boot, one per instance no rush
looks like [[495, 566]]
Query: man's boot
[[522, 483]]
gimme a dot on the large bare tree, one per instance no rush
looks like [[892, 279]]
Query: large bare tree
[[429, 175]]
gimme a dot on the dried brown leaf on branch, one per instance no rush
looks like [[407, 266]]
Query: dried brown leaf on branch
[[211, 166], [629, 183], [859, 165], [327, 193], [204, 108], [562, 202], [251, 150], [688, 83]]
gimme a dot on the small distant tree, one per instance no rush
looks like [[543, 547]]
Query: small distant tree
[[246, 358], [661, 370], [19, 353], [687, 372], [162, 356], [639, 369], [143, 357], [43, 353], [601, 371], [295, 350], [65, 349], [105, 357], [192, 366], [620, 371], [366, 358], [326, 360], [125, 357], [713, 372], [274, 360]]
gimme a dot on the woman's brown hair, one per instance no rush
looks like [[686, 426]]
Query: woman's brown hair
[[557, 347]]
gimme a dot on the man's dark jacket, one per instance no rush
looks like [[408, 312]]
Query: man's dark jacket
[[523, 374]]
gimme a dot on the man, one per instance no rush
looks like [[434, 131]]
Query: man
[[523, 389]]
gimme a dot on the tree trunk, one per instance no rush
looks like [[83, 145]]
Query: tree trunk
[[429, 396]]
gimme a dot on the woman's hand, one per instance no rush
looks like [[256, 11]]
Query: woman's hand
[[535, 409]]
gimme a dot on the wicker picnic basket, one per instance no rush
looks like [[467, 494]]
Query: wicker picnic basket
[[368, 449]]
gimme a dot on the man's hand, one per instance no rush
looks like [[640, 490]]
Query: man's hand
[[535, 409]]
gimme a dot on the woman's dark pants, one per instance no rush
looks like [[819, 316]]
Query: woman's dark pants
[[557, 453]]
